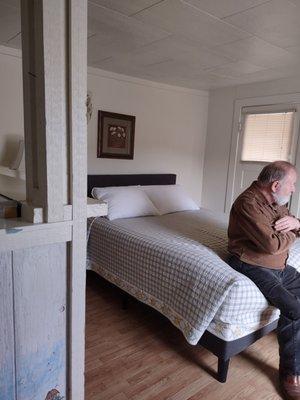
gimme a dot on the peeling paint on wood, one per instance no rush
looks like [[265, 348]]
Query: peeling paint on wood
[[40, 285], [54, 395], [7, 387], [7, 367], [41, 370], [35, 334]]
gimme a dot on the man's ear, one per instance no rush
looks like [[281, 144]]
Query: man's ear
[[275, 186]]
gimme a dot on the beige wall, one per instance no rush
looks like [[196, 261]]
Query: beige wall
[[219, 131], [170, 127]]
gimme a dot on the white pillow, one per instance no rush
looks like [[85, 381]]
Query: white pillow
[[125, 202], [169, 198]]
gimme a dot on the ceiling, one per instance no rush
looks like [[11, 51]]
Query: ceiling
[[199, 44]]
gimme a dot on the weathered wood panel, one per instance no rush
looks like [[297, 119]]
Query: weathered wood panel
[[22, 237], [54, 71], [40, 288], [44, 25], [7, 365], [78, 180]]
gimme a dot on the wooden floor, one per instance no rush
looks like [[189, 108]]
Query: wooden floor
[[137, 354]]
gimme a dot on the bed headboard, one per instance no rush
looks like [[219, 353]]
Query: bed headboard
[[128, 180]]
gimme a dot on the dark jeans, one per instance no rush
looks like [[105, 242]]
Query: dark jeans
[[282, 289]]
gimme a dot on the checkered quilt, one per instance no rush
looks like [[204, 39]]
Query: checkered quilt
[[175, 263]]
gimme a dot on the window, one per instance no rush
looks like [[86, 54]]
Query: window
[[268, 136]]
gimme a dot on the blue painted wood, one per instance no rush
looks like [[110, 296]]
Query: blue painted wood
[[40, 322], [7, 364]]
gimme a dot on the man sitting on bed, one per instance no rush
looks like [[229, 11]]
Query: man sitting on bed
[[261, 232]]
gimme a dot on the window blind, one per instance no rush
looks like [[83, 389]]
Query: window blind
[[267, 136]]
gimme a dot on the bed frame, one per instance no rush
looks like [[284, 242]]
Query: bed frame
[[223, 349]]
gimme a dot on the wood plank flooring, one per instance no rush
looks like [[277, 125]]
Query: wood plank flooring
[[137, 354]]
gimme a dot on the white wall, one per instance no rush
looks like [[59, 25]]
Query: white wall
[[169, 133], [219, 131]]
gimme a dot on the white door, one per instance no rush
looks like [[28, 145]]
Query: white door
[[258, 144]]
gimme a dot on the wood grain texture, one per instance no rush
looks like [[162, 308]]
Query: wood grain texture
[[18, 238], [44, 25], [55, 75], [7, 358], [40, 320], [77, 72], [137, 354], [55, 23]]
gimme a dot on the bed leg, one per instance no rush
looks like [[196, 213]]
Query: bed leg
[[223, 365]]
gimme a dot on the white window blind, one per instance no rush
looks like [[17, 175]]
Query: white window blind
[[267, 136]]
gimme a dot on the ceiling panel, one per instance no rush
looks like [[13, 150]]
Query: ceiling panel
[[111, 32], [127, 69], [271, 74], [180, 18], [164, 68], [185, 42], [201, 81], [172, 47], [294, 49], [236, 69], [276, 21], [175, 68], [224, 8], [99, 49], [126, 7], [172, 71], [258, 52], [173, 74], [295, 1], [113, 24]]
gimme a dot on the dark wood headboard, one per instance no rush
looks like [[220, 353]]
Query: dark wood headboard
[[128, 180]]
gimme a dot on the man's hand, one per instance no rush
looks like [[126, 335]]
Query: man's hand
[[287, 224]]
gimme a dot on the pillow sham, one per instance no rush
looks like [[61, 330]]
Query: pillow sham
[[125, 202], [169, 198]]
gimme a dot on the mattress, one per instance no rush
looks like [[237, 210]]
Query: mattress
[[176, 264]]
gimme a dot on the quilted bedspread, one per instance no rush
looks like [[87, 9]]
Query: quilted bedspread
[[175, 263]]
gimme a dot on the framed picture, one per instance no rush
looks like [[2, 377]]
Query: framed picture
[[115, 135]]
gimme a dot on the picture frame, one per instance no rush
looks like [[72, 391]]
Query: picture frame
[[115, 135]]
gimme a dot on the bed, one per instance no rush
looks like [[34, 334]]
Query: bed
[[175, 264]]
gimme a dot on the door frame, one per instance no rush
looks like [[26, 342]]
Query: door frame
[[274, 100]]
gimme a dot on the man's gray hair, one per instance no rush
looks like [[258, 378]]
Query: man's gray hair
[[275, 171]]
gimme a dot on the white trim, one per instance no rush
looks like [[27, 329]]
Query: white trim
[[20, 238], [77, 73], [17, 225], [35, 215], [287, 99]]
